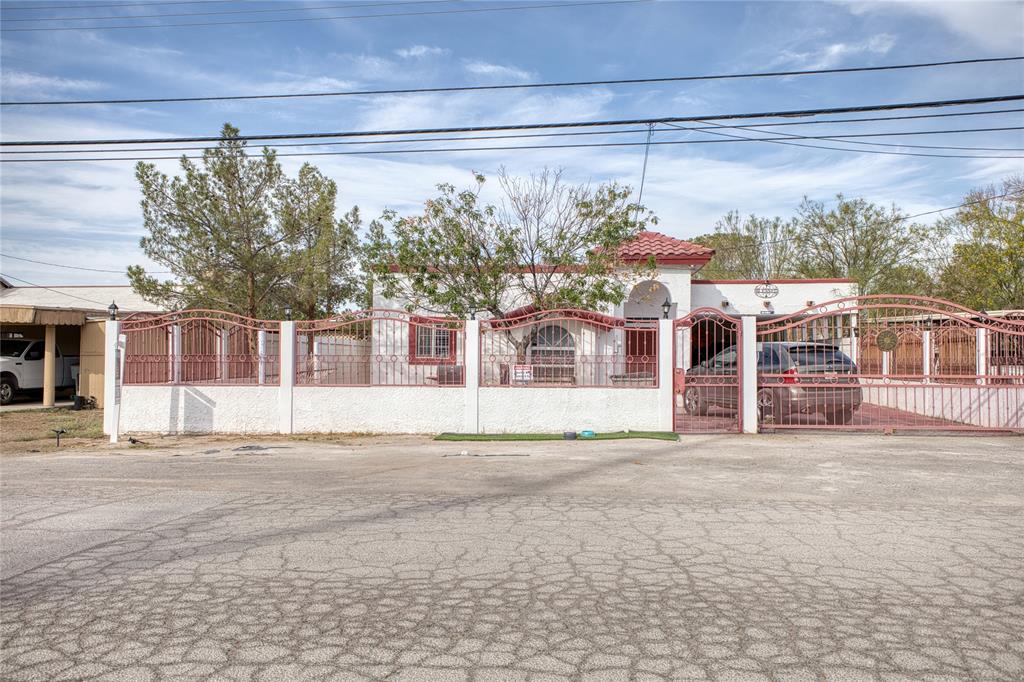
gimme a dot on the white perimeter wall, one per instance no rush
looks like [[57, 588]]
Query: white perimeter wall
[[985, 406], [378, 409], [199, 409], [544, 410]]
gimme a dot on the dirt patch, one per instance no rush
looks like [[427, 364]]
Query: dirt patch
[[23, 431]]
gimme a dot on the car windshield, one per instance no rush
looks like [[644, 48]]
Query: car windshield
[[12, 348], [818, 355]]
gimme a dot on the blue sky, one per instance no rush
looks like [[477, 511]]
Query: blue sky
[[87, 214]]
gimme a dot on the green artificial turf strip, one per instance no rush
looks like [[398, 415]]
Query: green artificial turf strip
[[614, 435]]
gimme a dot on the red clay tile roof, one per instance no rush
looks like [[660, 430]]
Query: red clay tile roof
[[664, 249]]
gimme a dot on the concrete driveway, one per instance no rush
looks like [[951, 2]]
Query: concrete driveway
[[806, 557]]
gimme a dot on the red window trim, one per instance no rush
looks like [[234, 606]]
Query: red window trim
[[430, 360]]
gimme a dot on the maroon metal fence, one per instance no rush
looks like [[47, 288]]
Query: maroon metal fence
[[708, 364], [201, 347], [889, 363], [380, 348], [569, 348]]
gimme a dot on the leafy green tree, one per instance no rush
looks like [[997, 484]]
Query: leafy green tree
[[749, 248], [984, 269], [858, 240], [547, 244], [237, 235], [322, 252]]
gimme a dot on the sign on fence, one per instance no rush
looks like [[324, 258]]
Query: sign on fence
[[522, 374]]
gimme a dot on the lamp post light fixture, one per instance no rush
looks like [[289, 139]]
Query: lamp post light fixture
[[666, 307], [287, 312], [112, 309]]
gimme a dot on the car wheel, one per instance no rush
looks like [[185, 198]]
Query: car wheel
[[768, 409], [839, 417], [6, 391], [693, 403]]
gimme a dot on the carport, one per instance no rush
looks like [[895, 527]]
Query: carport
[[70, 317]]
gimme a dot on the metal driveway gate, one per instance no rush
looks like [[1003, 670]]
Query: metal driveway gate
[[886, 363], [707, 369]]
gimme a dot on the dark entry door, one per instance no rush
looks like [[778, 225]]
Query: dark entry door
[[642, 346]]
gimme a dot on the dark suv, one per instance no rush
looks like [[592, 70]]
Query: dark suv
[[792, 378]]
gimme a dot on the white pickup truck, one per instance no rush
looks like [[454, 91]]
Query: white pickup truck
[[21, 368]]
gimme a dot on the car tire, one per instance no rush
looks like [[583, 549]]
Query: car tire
[[6, 391], [693, 403], [839, 417], [769, 411]]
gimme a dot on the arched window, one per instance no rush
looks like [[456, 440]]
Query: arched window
[[551, 345]]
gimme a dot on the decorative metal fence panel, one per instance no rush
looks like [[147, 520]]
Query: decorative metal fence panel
[[887, 363], [201, 347], [707, 374], [569, 348], [380, 348]]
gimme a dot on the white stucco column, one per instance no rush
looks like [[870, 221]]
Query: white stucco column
[[666, 363], [176, 354], [471, 422], [110, 370], [926, 355], [284, 392], [748, 377], [261, 349], [981, 354], [885, 362]]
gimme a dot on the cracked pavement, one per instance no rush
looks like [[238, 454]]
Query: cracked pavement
[[802, 557]]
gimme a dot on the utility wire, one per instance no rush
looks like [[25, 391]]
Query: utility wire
[[591, 145], [515, 86], [530, 126], [195, 24], [756, 126], [56, 291], [234, 11], [71, 267], [126, 4], [674, 128]]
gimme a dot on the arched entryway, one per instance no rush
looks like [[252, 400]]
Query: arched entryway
[[645, 303]]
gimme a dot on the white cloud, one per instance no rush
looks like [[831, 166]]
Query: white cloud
[[421, 51], [24, 81], [497, 71], [833, 54], [996, 26]]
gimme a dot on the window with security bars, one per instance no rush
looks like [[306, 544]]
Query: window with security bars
[[433, 343]]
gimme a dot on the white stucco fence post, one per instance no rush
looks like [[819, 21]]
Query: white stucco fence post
[[926, 355], [472, 376], [110, 333], [748, 377], [666, 362], [981, 354], [284, 392]]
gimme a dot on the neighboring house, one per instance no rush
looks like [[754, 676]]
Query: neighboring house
[[69, 318]]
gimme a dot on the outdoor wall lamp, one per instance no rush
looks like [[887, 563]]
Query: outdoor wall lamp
[[666, 307], [287, 312], [112, 309]]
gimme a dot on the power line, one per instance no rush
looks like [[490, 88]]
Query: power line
[[234, 11], [71, 267], [756, 126], [735, 138], [844, 139], [529, 126], [124, 4], [56, 291], [515, 86], [591, 145], [195, 24]]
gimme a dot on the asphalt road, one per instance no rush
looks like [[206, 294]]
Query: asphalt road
[[847, 557]]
